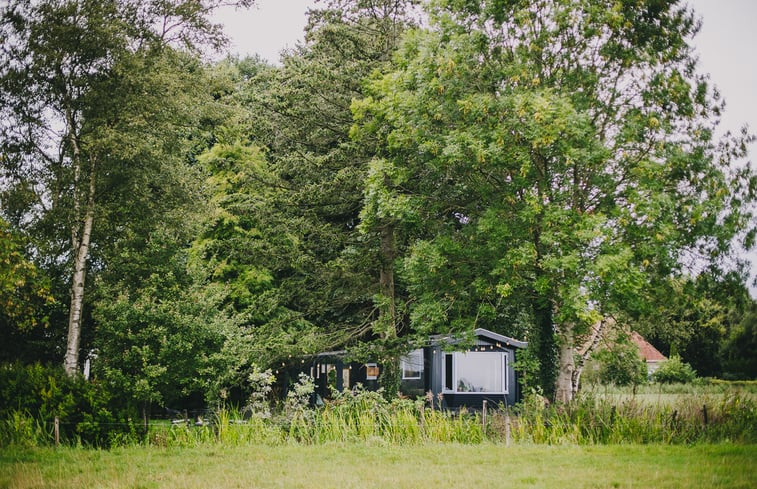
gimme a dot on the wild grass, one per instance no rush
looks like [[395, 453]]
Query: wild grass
[[592, 420], [365, 417]]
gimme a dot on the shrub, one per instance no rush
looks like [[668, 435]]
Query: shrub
[[674, 371], [621, 365], [34, 395], [260, 385]]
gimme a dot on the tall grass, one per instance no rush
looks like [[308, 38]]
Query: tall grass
[[592, 420], [367, 418]]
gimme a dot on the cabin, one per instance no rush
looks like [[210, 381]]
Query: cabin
[[456, 371]]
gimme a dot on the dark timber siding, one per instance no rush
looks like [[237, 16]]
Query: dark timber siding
[[473, 400]]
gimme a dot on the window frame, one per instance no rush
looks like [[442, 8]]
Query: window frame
[[405, 360], [369, 366], [455, 359]]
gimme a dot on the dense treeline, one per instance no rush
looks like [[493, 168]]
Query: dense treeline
[[533, 168]]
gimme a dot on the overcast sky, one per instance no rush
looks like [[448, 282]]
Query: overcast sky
[[727, 47]]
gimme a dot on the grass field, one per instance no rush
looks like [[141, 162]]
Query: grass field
[[365, 466]]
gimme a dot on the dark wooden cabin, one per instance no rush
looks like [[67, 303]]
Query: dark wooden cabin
[[483, 371], [455, 377]]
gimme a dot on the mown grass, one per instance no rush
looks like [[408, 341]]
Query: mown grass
[[366, 466]]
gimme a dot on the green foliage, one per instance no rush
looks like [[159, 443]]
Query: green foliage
[[547, 149], [527, 365], [530, 168], [299, 395], [698, 318], [32, 396], [674, 371], [621, 365], [739, 360], [259, 403], [165, 342], [98, 102], [23, 290], [326, 269]]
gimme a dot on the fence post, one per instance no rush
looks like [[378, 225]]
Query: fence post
[[507, 426], [704, 413], [483, 417], [56, 431]]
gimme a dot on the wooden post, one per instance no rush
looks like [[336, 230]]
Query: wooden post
[[704, 413], [612, 416], [56, 431], [483, 416], [507, 426]]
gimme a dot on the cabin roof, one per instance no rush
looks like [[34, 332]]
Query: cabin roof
[[481, 333]]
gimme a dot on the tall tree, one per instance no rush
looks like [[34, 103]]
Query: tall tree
[[342, 279], [23, 291], [80, 100], [565, 151]]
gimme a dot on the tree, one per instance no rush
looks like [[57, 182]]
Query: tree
[[737, 351], [620, 364], [24, 292], [166, 340], [695, 317], [560, 155], [82, 95], [342, 278], [246, 246]]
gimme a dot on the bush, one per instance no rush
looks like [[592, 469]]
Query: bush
[[621, 365], [34, 395], [674, 371]]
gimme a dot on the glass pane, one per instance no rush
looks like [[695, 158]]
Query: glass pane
[[479, 372], [448, 372], [412, 365]]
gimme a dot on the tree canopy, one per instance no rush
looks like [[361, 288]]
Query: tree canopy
[[547, 170], [563, 150]]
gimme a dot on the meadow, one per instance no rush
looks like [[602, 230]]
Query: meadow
[[706, 414], [353, 465], [701, 436]]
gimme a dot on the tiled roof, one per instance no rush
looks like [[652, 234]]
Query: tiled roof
[[648, 352]]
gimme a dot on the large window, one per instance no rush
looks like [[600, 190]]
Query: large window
[[412, 365], [475, 372]]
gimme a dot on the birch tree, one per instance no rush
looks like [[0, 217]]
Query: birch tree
[[73, 77]]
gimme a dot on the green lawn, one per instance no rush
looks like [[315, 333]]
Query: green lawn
[[362, 466]]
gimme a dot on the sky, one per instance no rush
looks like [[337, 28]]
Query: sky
[[726, 45]]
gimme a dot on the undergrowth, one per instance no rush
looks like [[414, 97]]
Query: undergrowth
[[366, 417]]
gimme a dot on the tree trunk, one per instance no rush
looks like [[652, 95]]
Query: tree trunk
[[585, 351], [388, 254], [564, 385], [543, 344], [390, 377], [80, 237]]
